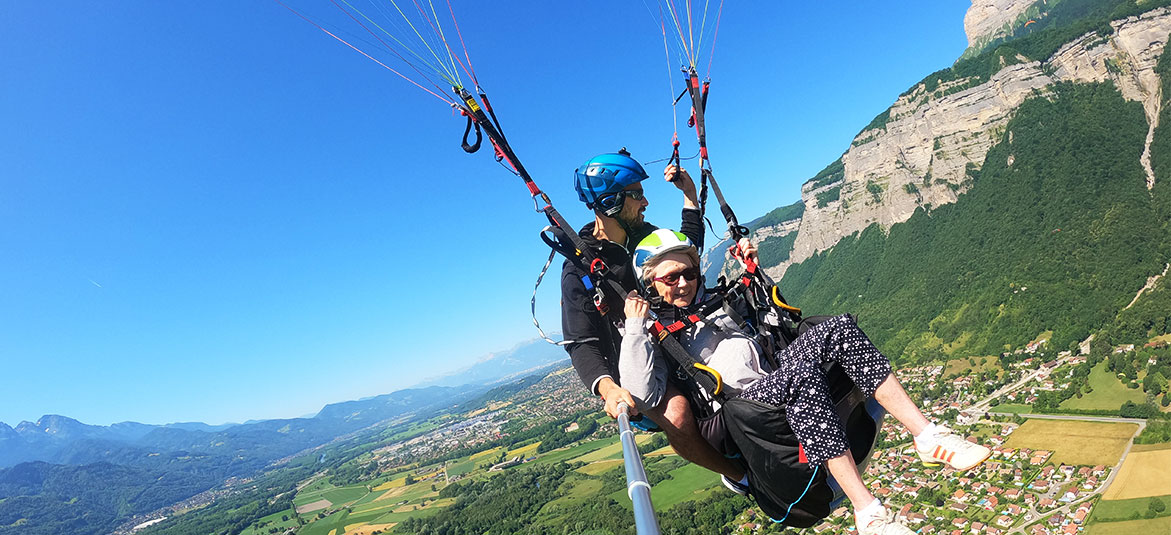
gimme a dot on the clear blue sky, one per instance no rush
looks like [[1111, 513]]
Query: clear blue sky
[[214, 212]]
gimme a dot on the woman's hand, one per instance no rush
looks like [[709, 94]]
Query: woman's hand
[[747, 251], [636, 306], [682, 180]]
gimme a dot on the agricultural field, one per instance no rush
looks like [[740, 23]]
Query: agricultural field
[[1074, 442], [1122, 510], [1109, 393], [612, 451], [964, 367], [523, 451], [359, 509], [1016, 408], [486, 454], [270, 522], [1146, 473], [564, 455], [688, 482], [1131, 527], [600, 467]]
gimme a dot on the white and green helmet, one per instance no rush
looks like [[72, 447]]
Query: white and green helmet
[[656, 244]]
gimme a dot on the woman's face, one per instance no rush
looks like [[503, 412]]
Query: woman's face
[[672, 267]]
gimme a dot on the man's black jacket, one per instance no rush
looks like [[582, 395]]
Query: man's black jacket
[[580, 320]]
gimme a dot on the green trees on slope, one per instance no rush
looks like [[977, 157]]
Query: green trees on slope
[[1060, 240]]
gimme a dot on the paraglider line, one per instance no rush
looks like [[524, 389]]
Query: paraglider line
[[447, 77], [461, 43], [715, 35], [360, 51]]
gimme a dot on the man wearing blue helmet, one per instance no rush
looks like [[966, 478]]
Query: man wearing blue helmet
[[610, 185]]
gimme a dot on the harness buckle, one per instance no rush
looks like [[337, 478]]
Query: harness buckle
[[600, 302], [597, 266]]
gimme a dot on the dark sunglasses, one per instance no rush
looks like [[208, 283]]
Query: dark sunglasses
[[634, 194], [612, 203], [671, 279]]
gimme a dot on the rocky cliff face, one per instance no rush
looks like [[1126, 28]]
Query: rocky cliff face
[[990, 19], [920, 153]]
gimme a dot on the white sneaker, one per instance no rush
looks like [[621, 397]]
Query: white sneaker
[[883, 525], [734, 486], [945, 447]]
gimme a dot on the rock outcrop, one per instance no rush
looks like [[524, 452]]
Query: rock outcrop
[[921, 153], [987, 20]]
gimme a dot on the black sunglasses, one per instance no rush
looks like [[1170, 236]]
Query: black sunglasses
[[671, 279]]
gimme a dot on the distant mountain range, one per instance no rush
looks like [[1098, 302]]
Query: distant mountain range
[[49, 469], [524, 358], [62, 440]]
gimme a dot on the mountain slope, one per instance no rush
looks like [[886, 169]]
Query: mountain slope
[[1057, 232], [922, 151]]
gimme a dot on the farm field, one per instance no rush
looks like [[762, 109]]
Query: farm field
[[688, 482], [963, 367], [574, 451], [483, 455], [1109, 393], [1013, 408], [524, 451], [599, 467], [1144, 474], [270, 522], [1122, 510], [1074, 442], [1131, 527], [612, 451]]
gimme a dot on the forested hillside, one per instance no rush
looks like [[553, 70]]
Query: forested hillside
[[1057, 233]]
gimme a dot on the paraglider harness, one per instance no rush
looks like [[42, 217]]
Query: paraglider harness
[[758, 435], [781, 481]]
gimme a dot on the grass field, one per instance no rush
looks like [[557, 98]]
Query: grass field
[[565, 455], [1121, 510], [392, 484], [963, 367], [1013, 408], [688, 482], [612, 451], [1144, 474], [483, 455], [272, 521], [1151, 447], [665, 450], [1131, 527], [1074, 442], [461, 467], [345, 495], [430, 510], [599, 467], [1109, 393], [563, 508]]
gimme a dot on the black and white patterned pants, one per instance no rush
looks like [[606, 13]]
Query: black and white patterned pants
[[799, 383]]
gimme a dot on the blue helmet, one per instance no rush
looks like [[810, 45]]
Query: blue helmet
[[600, 180]]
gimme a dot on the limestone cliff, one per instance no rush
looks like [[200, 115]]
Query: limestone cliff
[[988, 20], [920, 152]]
